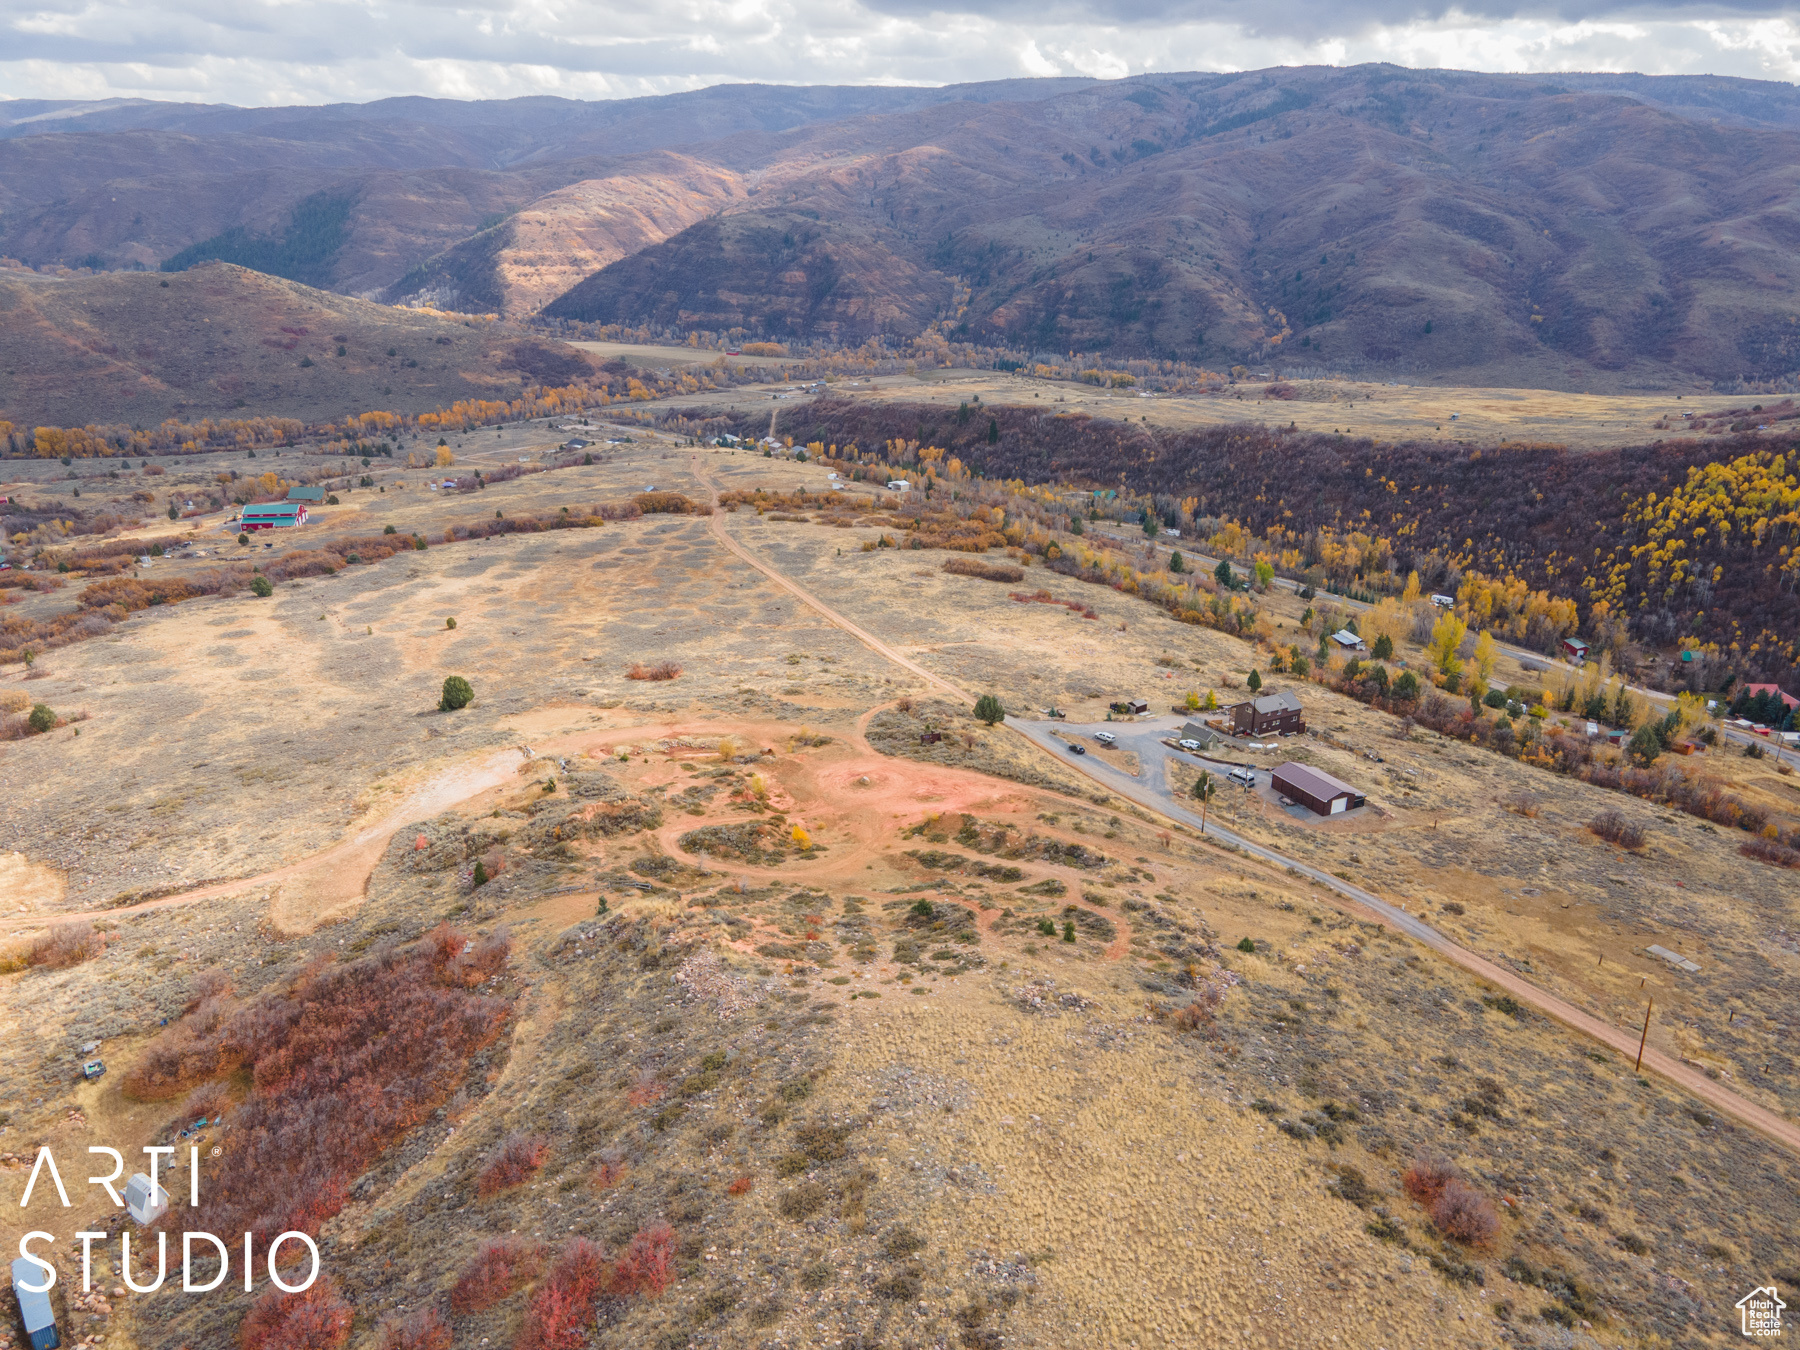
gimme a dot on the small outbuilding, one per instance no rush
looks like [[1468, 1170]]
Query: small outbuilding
[[1316, 789], [1575, 649], [1271, 714], [1351, 644], [34, 1305], [306, 494], [1198, 731], [145, 1201]]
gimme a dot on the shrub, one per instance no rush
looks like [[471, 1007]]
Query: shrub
[[1521, 804], [802, 1202], [1426, 1179], [42, 719], [987, 571], [449, 623], [1246, 945], [1406, 686], [1771, 851], [457, 693], [1383, 650], [647, 1266], [669, 503], [742, 1186], [260, 587], [1615, 829], [347, 1058], [560, 1311], [421, 1330], [1463, 1214], [390, 530], [67, 944], [518, 1157], [243, 538], [662, 670], [317, 1319], [988, 709], [500, 1267]]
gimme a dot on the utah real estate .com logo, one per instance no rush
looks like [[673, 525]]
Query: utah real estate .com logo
[[1761, 1312]]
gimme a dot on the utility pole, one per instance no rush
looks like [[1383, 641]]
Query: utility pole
[[1648, 1004]]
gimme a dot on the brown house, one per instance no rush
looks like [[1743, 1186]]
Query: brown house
[[1317, 789], [1267, 715]]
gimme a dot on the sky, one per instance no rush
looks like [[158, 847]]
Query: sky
[[267, 52]]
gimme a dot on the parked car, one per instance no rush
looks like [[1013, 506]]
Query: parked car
[[1242, 775], [1189, 744], [1075, 749], [1106, 738]]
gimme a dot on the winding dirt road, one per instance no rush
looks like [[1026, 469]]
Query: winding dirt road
[[1757, 1117]]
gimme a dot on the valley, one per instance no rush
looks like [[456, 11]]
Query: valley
[[774, 972]]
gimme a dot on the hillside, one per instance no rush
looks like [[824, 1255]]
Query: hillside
[[1602, 232], [1469, 228], [137, 348], [1587, 525]]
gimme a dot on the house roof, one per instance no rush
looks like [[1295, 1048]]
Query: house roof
[[1345, 638], [272, 509], [1286, 701], [306, 494], [1786, 698], [1316, 781]]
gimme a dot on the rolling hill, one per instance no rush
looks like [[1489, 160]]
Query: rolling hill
[[138, 347], [1588, 232]]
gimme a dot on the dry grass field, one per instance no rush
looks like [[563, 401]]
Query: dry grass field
[[779, 974], [1432, 411]]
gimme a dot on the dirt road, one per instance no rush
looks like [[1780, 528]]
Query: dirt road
[[1759, 1118]]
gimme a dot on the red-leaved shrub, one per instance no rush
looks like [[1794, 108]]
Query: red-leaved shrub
[[421, 1330], [341, 1063], [1771, 851], [1426, 1178], [317, 1319], [560, 1311], [742, 1186], [662, 670], [518, 1157], [500, 1267], [1463, 1214], [647, 1267]]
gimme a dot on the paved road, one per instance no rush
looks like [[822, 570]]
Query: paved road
[[1156, 797]]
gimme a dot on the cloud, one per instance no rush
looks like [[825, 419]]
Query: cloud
[[262, 52]]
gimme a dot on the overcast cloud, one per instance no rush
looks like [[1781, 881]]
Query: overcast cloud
[[259, 52]]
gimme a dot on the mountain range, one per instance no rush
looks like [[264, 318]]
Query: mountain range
[[1584, 232]]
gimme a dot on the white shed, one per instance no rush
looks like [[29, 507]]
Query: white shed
[[145, 1201]]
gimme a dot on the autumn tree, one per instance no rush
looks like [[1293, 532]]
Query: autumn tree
[[1486, 652], [1447, 636]]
